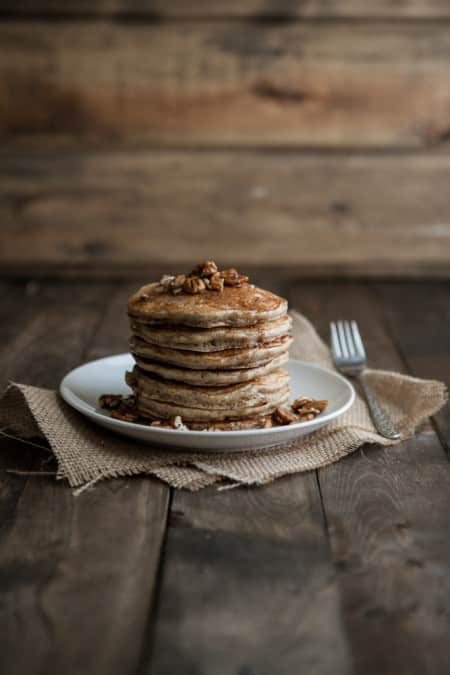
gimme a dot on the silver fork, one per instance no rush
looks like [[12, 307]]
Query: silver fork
[[349, 357]]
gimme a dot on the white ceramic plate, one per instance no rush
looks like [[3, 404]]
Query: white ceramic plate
[[82, 387]]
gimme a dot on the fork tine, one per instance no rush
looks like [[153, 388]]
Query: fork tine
[[350, 342], [335, 346], [357, 339], [342, 339]]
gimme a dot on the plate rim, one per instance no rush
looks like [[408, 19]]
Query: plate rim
[[78, 404]]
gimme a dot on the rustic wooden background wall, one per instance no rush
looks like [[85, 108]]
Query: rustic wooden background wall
[[306, 133]]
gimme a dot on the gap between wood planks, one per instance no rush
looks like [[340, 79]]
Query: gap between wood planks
[[256, 10], [155, 19]]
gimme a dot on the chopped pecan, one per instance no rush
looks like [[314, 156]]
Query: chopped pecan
[[205, 269], [120, 407], [320, 404], [306, 417], [205, 276], [173, 283], [193, 285], [178, 281], [125, 414], [177, 423], [232, 277], [284, 416], [166, 280], [173, 423], [309, 405], [216, 282], [110, 401], [176, 285], [300, 402], [161, 424]]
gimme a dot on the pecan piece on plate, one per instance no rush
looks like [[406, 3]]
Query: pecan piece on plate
[[110, 401], [283, 415], [309, 406], [125, 414]]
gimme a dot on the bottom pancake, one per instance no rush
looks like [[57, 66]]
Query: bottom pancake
[[162, 410], [261, 422]]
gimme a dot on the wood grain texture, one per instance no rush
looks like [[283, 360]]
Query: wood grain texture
[[385, 510], [77, 596], [308, 84], [247, 585], [419, 322], [231, 8], [127, 210]]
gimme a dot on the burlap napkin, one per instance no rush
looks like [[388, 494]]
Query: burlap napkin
[[86, 453]]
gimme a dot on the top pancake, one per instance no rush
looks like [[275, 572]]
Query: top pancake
[[244, 305]]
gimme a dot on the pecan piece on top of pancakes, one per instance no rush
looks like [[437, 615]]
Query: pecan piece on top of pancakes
[[205, 269], [216, 282], [204, 277], [194, 285], [232, 277], [172, 283]]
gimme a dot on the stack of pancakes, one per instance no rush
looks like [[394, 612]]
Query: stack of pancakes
[[212, 358]]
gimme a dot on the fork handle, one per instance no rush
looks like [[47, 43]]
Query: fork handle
[[380, 418]]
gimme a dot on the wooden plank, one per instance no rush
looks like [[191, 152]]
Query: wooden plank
[[51, 336], [419, 322], [292, 84], [386, 514], [77, 596], [124, 211], [17, 309], [289, 9], [247, 585], [12, 454]]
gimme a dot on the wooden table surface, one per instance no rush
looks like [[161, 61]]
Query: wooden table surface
[[343, 570]]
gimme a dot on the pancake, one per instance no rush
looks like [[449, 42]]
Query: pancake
[[261, 422], [266, 389], [249, 357], [161, 410], [213, 339], [244, 305], [209, 378]]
